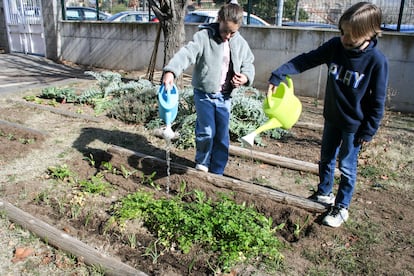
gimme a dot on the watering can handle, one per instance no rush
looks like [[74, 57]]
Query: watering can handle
[[289, 83]]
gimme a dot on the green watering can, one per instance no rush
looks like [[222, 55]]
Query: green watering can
[[282, 108]]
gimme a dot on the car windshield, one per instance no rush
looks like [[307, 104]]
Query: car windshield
[[113, 17], [201, 17], [132, 16], [82, 13], [195, 18]]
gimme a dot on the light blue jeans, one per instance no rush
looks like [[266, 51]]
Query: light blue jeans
[[337, 143], [212, 130]]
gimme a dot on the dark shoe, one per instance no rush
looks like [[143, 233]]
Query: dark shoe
[[324, 199]]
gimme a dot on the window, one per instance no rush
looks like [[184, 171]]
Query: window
[[89, 15], [72, 15]]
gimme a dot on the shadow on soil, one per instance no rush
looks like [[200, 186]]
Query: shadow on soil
[[125, 140]]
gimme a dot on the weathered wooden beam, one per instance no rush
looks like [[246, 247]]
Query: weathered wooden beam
[[58, 111], [272, 159], [67, 243], [225, 182], [312, 126], [22, 127]]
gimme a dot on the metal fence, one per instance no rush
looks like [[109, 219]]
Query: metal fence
[[329, 11]]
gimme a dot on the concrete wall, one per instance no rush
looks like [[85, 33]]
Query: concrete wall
[[129, 46], [51, 13]]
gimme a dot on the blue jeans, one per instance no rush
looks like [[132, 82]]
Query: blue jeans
[[212, 130], [337, 143]]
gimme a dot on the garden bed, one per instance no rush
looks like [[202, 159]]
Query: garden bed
[[377, 222]]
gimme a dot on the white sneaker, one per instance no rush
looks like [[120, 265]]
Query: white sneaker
[[336, 216], [202, 168]]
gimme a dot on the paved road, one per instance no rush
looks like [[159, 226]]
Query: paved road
[[19, 72]]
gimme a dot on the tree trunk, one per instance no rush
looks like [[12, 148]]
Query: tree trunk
[[170, 14], [173, 29]]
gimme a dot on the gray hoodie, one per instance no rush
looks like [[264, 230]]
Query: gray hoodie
[[206, 53]]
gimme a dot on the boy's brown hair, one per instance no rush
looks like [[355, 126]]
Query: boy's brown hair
[[364, 19]]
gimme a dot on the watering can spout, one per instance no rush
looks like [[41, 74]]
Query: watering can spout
[[272, 123], [282, 108]]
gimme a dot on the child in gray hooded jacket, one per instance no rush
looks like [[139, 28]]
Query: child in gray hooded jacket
[[222, 61]]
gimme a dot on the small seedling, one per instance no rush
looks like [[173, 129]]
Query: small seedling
[[26, 141], [126, 173], [109, 167], [30, 98], [90, 160], [88, 218], [299, 228], [42, 197], [132, 240], [96, 185], [61, 172], [152, 251], [149, 180]]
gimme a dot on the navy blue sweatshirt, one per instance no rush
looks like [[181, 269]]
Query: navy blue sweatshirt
[[356, 85]]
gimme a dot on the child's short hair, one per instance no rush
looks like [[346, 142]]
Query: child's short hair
[[363, 18], [231, 12]]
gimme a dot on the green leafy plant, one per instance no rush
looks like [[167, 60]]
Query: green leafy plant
[[64, 94], [61, 172], [138, 105], [95, 185], [236, 233]]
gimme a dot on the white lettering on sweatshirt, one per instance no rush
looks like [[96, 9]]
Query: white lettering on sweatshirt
[[347, 77]]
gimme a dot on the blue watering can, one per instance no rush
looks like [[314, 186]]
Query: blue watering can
[[168, 107]]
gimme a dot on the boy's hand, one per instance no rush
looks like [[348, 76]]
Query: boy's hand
[[271, 87], [238, 80], [168, 79]]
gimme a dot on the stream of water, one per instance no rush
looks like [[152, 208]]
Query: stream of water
[[168, 159]]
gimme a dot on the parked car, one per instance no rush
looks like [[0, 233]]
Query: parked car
[[404, 28], [84, 13], [209, 16], [132, 16]]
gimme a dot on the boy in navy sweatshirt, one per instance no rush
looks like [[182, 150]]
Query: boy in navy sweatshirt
[[354, 101]]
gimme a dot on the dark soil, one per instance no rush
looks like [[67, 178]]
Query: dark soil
[[381, 214]]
